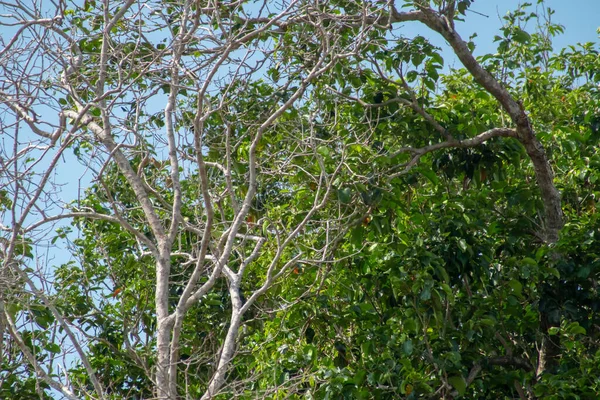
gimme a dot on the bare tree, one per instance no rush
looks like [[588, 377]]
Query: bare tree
[[95, 87]]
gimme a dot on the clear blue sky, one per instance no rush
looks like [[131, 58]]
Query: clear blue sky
[[580, 18]]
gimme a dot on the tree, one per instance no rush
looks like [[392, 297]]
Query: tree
[[254, 167]]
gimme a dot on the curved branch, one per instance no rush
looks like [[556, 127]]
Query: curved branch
[[502, 361], [123, 163], [525, 133], [472, 142]]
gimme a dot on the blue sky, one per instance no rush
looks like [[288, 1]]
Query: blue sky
[[580, 18]]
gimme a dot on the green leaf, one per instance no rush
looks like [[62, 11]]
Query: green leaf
[[584, 271], [489, 321], [575, 329], [344, 195], [529, 261], [366, 348], [516, 286], [458, 383], [437, 58], [359, 377], [462, 7], [52, 348], [417, 58], [411, 76], [323, 150], [521, 36], [426, 293], [430, 83], [462, 245]]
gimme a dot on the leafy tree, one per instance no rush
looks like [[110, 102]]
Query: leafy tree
[[291, 200]]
